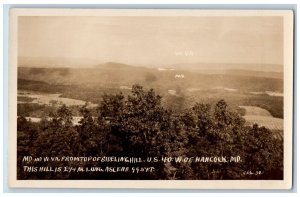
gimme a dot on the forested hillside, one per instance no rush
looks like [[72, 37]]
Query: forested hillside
[[138, 125]]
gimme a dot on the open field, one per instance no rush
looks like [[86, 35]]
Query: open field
[[75, 119], [256, 111], [261, 117], [47, 99], [268, 122]]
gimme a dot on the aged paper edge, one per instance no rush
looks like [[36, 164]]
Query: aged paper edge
[[286, 183]]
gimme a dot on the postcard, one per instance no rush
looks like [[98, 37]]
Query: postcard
[[150, 98]]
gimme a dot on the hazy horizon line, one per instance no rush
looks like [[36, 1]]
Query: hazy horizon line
[[98, 61]]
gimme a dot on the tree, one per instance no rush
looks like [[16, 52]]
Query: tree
[[263, 153], [59, 139], [139, 126], [27, 133], [110, 122], [91, 139]]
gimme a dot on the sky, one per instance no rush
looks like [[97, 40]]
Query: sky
[[160, 40]]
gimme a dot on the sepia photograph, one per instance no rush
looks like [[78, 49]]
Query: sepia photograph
[[151, 95]]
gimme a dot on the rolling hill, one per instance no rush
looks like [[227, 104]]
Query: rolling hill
[[113, 74]]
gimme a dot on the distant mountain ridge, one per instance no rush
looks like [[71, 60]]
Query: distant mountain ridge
[[112, 65], [276, 75], [229, 66], [235, 68], [45, 62], [117, 65]]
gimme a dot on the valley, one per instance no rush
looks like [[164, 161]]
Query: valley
[[258, 99]]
